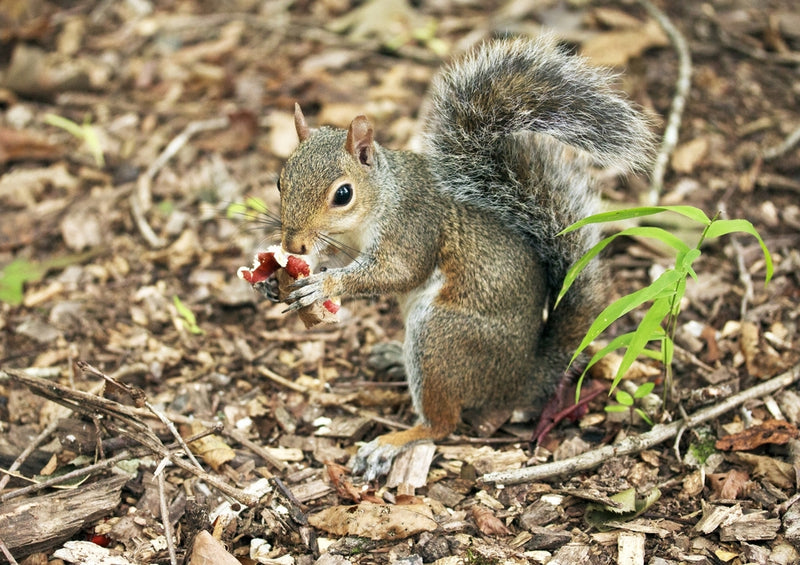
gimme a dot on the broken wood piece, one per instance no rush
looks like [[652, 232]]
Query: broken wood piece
[[41, 523], [411, 466]]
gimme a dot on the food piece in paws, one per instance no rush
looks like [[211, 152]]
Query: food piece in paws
[[287, 269]]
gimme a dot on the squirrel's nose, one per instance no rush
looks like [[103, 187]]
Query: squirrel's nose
[[295, 245]]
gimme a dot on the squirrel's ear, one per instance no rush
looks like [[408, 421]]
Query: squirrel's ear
[[359, 140], [300, 123]]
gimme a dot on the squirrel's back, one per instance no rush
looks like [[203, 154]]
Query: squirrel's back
[[515, 127]]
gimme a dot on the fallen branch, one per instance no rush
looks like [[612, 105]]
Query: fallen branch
[[682, 85], [636, 444], [125, 421]]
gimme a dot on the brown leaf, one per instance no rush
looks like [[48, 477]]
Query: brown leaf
[[487, 522], [776, 471], [207, 550], [344, 487], [730, 485], [375, 521], [236, 138], [212, 449], [616, 48], [772, 431]]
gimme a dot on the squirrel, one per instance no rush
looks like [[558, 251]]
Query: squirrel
[[464, 232]]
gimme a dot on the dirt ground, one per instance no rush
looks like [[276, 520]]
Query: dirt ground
[[127, 132]]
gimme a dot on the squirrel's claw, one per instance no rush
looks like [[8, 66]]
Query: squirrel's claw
[[269, 289], [307, 291], [374, 459]]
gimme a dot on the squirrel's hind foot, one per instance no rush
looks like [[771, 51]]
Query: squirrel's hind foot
[[374, 459]]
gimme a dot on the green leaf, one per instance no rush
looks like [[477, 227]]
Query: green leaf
[[256, 204], [624, 398], [724, 227], [66, 124], [638, 231], [625, 304], [643, 415], [644, 389], [647, 327], [617, 408], [187, 316], [13, 278], [16, 274], [629, 213], [630, 506]]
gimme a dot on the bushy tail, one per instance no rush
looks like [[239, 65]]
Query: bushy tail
[[477, 116]]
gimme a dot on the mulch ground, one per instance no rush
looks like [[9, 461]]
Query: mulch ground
[[127, 131]]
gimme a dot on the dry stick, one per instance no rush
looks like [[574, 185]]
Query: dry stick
[[141, 399], [7, 553], [682, 86], [51, 427], [76, 474], [259, 450], [744, 277], [141, 199], [629, 445], [782, 148], [164, 508], [132, 427], [88, 470]]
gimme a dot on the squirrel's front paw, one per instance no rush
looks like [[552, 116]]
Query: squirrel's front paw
[[307, 291], [374, 459], [269, 289]]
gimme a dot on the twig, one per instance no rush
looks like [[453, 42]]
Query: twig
[[284, 382], [7, 553], [658, 434], [124, 420], [782, 148], [51, 427], [682, 85], [141, 200], [164, 507], [76, 474], [744, 278], [259, 450], [140, 399], [88, 470]]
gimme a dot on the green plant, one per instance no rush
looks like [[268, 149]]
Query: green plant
[[627, 402], [187, 317], [252, 207], [659, 323], [84, 132], [19, 272]]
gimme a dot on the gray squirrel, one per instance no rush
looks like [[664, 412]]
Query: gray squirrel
[[463, 232]]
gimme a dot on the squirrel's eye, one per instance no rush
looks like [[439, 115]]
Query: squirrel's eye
[[343, 195], [279, 185]]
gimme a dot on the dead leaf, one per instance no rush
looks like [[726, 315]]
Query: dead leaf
[[772, 431], [729, 486], [375, 521], [688, 155], [778, 472], [343, 485], [749, 345], [487, 522], [212, 449], [208, 550], [236, 138], [616, 48]]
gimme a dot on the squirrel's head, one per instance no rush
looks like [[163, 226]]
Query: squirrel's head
[[326, 193]]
